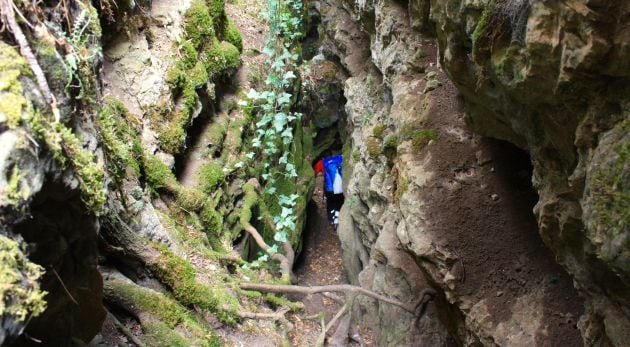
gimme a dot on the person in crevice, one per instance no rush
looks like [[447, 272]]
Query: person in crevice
[[331, 168]]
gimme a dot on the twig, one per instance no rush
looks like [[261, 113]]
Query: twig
[[322, 337], [6, 6], [344, 309], [64, 286], [123, 329]]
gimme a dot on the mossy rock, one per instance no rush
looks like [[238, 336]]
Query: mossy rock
[[233, 36], [180, 276], [170, 324], [199, 26], [221, 58], [421, 138], [120, 139], [190, 199], [21, 295], [13, 105], [210, 176], [157, 174]]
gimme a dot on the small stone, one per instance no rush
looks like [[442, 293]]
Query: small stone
[[494, 197], [431, 85], [431, 75], [499, 294]]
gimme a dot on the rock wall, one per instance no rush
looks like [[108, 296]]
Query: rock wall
[[431, 203], [553, 79]]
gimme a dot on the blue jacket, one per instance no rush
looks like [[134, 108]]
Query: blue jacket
[[332, 165]]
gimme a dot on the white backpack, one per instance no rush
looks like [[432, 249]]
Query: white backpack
[[338, 184]]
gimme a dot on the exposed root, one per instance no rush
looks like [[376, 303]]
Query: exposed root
[[273, 316], [123, 329], [345, 288], [285, 261]]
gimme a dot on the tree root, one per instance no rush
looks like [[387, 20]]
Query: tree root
[[344, 314], [256, 315], [285, 261], [345, 288], [123, 329]]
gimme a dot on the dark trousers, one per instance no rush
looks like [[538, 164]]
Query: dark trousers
[[333, 203]]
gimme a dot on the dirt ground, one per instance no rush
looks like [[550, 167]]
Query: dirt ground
[[319, 264]]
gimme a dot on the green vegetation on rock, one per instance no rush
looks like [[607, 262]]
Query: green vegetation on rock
[[19, 288], [120, 139], [180, 277]]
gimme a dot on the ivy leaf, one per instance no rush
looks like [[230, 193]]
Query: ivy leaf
[[289, 75], [273, 249], [280, 237], [250, 155], [284, 99]]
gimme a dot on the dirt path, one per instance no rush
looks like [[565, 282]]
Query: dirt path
[[318, 264]]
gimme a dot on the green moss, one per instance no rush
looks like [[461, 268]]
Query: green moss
[[482, 26], [179, 275], [198, 76], [172, 137], [158, 175], [249, 201], [176, 77], [189, 55], [611, 189], [233, 36], [16, 192], [421, 138], [120, 139], [198, 23], [191, 200], [13, 105], [19, 284], [373, 146], [212, 222], [210, 176], [67, 148], [378, 131], [160, 334], [221, 58], [216, 134], [279, 301], [391, 143], [401, 188]]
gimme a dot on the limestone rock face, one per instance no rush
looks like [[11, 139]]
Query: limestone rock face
[[554, 79], [429, 202]]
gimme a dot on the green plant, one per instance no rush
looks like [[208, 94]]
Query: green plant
[[378, 131], [278, 125], [421, 138]]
